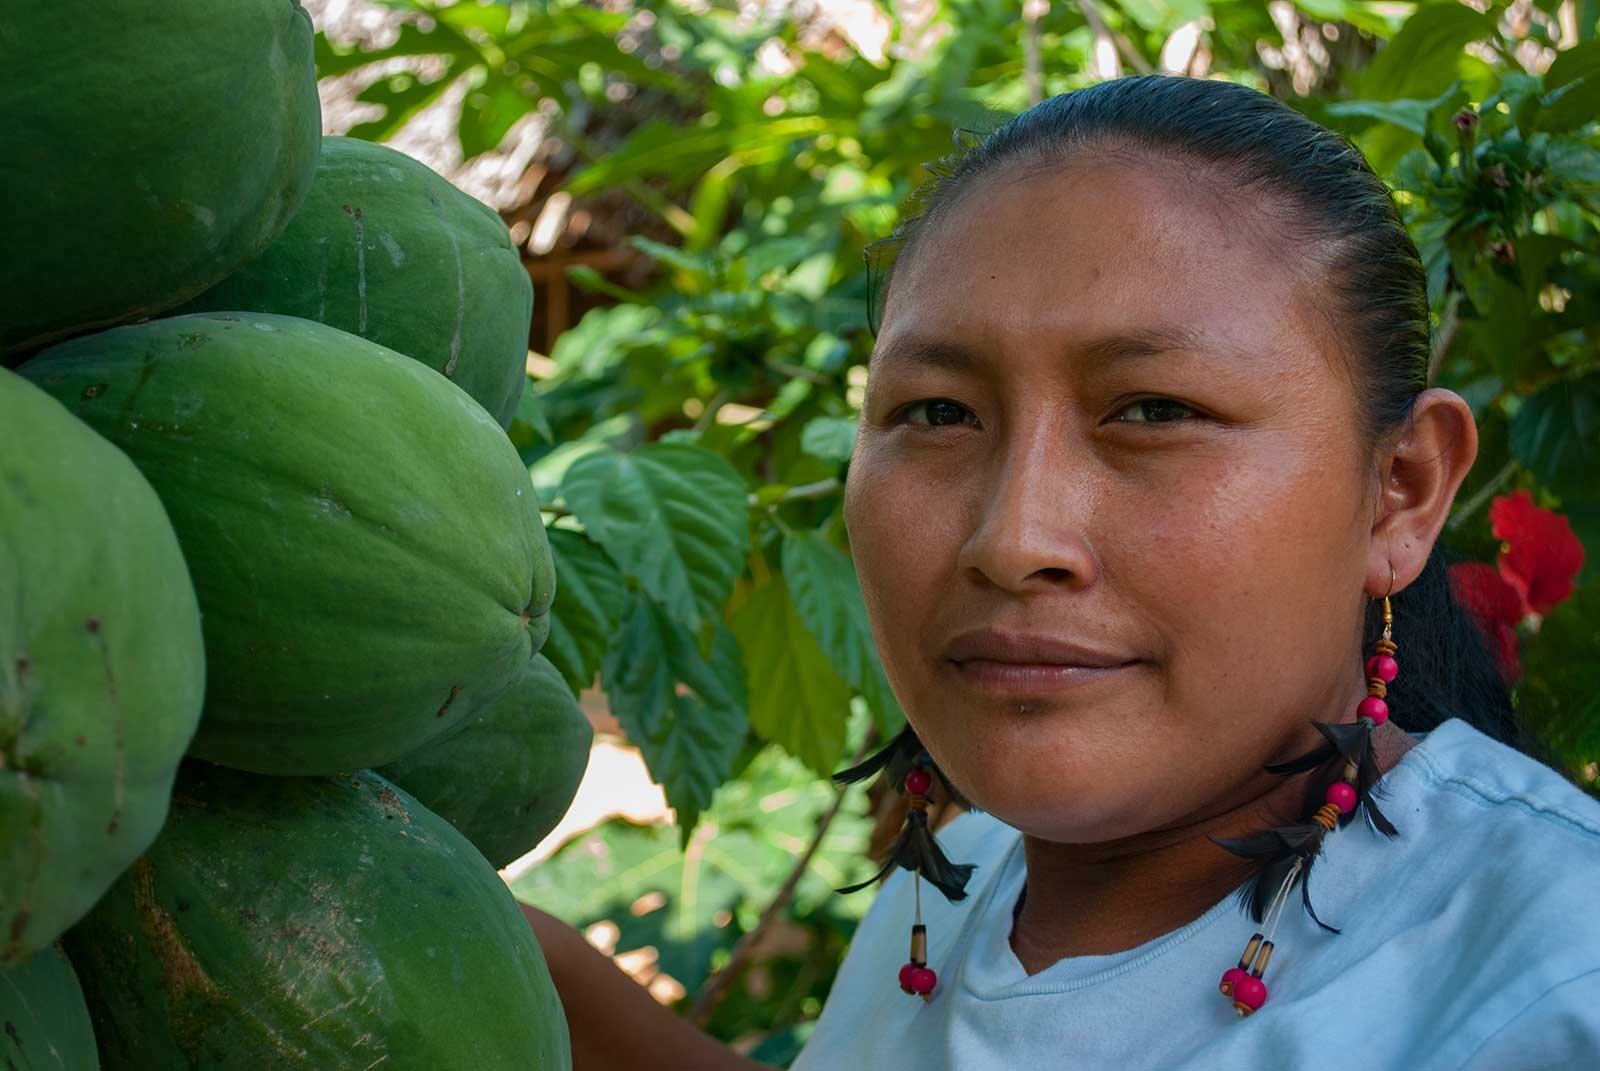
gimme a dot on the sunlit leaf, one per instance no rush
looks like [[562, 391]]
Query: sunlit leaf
[[828, 598], [690, 735], [671, 514], [796, 697]]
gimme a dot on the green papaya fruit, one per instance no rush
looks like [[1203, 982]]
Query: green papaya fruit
[[102, 667], [149, 148], [506, 777], [318, 923], [44, 1023], [387, 249], [363, 538]]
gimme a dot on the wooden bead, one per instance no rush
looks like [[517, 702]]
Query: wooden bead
[[1377, 687], [1326, 816]]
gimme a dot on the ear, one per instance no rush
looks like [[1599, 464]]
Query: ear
[[1420, 474]]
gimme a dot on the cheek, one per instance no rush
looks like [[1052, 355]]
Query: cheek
[[900, 549], [1245, 568]]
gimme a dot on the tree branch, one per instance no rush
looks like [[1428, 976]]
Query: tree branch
[[1091, 15], [1449, 322], [1484, 493]]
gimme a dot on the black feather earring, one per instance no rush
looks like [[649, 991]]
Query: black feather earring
[[905, 762], [1289, 851]]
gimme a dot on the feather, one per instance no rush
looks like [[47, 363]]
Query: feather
[[896, 759], [1353, 742], [894, 755], [1369, 789], [1351, 739], [917, 849], [1281, 847], [1344, 738]]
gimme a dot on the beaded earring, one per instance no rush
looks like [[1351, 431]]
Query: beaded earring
[[906, 763], [1289, 851]]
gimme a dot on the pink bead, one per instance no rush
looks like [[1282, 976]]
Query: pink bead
[[1383, 667], [918, 782], [1342, 796], [905, 975], [1230, 978], [923, 980], [1374, 708], [1251, 992]]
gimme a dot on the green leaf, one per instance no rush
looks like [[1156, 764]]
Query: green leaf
[[1422, 58], [530, 412], [673, 257], [1556, 433], [1405, 114], [590, 598], [777, 253], [747, 844], [1574, 164], [1572, 106], [490, 110], [412, 41], [829, 438], [673, 515], [603, 338], [1371, 15], [401, 96], [1498, 331], [796, 698], [1560, 691], [827, 595], [689, 735], [620, 865]]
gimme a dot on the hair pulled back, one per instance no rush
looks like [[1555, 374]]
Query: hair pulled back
[[1323, 201]]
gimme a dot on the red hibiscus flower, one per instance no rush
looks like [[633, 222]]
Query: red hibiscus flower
[[1541, 556], [1495, 605], [1539, 559]]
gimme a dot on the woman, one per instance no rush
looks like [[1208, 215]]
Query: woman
[[1147, 440]]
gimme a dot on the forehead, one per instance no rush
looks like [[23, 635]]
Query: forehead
[[1102, 246]]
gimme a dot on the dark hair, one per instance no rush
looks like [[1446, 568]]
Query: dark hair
[[1313, 186]]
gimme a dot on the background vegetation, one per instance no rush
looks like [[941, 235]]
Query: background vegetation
[[689, 437]]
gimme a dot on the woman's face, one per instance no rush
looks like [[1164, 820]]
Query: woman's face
[[1197, 508]]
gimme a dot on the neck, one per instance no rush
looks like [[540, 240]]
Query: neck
[[1097, 899]]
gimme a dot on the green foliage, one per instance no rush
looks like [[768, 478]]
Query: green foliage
[[692, 906], [1563, 677]]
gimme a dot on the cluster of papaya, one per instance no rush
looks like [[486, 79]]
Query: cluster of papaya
[[273, 579]]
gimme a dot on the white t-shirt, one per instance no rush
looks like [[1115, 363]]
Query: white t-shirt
[[1471, 942]]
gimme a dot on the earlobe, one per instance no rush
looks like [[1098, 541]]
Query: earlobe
[[1425, 470]]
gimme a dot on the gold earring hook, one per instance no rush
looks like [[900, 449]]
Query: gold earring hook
[[1388, 613]]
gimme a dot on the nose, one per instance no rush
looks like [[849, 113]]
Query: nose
[[1030, 533]]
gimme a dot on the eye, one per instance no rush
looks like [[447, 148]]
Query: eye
[[951, 411], [1155, 406]]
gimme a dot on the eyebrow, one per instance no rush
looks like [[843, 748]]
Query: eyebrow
[[955, 357]]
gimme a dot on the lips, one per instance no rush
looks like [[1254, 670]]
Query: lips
[[1019, 648]]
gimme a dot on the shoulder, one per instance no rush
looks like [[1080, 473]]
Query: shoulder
[[1507, 828], [1509, 850], [1507, 790]]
